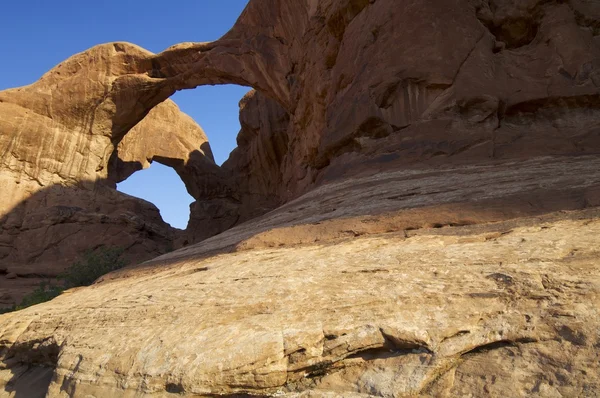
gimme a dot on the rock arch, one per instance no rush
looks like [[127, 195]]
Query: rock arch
[[98, 117], [70, 137], [170, 137]]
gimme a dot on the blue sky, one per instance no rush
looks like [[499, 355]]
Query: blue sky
[[39, 34]]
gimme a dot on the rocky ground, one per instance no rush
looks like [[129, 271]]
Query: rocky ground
[[412, 209], [423, 300]]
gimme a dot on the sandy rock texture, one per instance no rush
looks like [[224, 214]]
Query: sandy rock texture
[[421, 183], [55, 201], [454, 291]]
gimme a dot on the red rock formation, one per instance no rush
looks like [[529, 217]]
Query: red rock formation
[[465, 88], [58, 199], [411, 121]]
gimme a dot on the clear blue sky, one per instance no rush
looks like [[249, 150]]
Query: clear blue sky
[[39, 34]]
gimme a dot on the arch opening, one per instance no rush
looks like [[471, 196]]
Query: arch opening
[[215, 108], [213, 112], [161, 186]]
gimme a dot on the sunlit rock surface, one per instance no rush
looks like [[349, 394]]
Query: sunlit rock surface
[[422, 296], [427, 174]]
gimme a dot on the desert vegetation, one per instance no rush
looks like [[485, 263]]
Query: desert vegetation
[[92, 265]]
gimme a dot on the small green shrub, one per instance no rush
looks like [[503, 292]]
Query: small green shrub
[[94, 264], [7, 310], [84, 272], [44, 292]]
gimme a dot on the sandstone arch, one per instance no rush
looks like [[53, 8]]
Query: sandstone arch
[[398, 95], [91, 122], [327, 65]]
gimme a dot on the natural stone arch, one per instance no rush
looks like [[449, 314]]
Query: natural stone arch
[[60, 154], [74, 121], [256, 53], [87, 104], [77, 114], [169, 137], [101, 94], [172, 138], [154, 78]]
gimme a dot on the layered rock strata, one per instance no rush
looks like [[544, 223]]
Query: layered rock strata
[[422, 296], [395, 138]]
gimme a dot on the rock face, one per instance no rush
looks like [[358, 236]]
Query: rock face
[[51, 229], [493, 80], [388, 299], [248, 183], [56, 202], [431, 170]]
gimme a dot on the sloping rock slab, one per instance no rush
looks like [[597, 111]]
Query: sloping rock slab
[[508, 308]]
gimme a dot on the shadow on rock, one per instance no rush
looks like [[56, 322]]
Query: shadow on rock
[[32, 366], [50, 230]]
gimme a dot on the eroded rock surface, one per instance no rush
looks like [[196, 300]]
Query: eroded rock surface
[[396, 138], [505, 308], [56, 202]]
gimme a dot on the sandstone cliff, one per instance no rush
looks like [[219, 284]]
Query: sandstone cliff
[[395, 140], [55, 202]]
